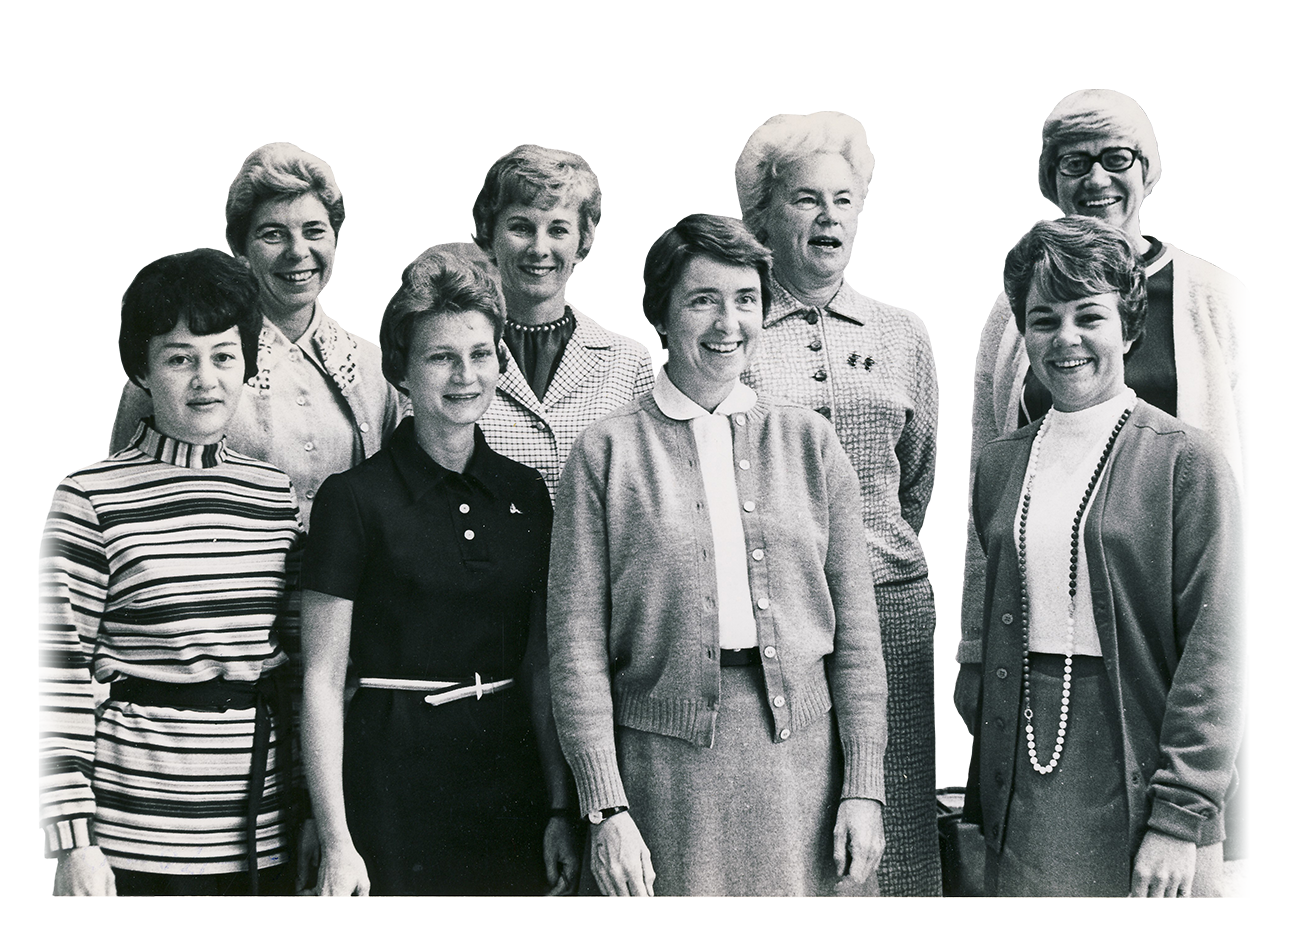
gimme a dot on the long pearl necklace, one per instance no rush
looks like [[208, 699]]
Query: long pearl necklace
[[1072, 594]]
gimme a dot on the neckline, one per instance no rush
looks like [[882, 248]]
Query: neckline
[[162, 447]]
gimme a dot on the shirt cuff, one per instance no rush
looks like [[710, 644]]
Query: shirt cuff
[[1203, 828], [65, 834], [597, 779]]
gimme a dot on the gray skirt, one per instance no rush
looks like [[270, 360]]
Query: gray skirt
[[745, 817]]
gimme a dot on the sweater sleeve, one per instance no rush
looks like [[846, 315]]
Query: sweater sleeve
[[1202, 719], [578, 624], [916, 446], [985, 428], [857, 667], [74, 585]]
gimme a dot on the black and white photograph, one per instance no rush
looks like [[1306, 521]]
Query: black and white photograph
[[693, 450]]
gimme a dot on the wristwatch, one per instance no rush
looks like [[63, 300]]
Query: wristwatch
[[598, 815]]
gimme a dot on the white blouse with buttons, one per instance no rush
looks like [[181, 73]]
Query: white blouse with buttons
[[716, 460]]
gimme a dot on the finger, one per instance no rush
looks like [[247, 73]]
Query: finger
[[1140, 886], [861, 862], [649, 873], [841, 850], [602, 875], [362, 887]]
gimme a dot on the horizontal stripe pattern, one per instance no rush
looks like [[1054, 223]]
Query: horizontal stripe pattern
[[165, 562]]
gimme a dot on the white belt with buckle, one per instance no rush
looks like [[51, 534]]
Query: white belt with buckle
[[443, 691]]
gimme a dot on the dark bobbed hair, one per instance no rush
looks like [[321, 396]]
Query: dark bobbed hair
[[537, 176], [208, 290], [715, 236], [440, 280], [279, 171], [1073, 258]]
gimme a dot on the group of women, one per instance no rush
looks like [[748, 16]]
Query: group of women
[[542, 621]]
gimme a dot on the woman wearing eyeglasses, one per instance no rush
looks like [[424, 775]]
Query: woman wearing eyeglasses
[[1099, 158]]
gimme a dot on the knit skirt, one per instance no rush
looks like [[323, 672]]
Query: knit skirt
[[745, 817], [911, 865]]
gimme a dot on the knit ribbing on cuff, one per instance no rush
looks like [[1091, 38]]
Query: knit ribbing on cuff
[[597, 779], [864, 768]]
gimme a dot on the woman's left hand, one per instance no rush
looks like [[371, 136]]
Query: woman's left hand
[[1164, 867], [561, 855], [859, 841]]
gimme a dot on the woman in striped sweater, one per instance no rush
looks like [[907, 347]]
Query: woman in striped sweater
[[162, 573]]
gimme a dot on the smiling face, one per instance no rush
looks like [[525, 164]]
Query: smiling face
[[290, 247], [451, 369], [195, 382], [1114, 198], [812, 219], [536, 250], [712, 324], [1076, 348]]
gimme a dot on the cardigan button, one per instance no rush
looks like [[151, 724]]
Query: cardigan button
[[310, 445], [1001, 673], [739, 420], [1007, 618], [464, 507], [758, 554], [778, 701], [749, 505], [469, 534], [365, 427], [769, 652], [819, 375], [815, 345], [744, 465], [784, 734], [763, 603]]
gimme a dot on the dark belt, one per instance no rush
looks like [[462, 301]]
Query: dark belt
[[268, 696], [748, 656]]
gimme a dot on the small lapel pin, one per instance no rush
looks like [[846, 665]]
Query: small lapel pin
[[515, 511]]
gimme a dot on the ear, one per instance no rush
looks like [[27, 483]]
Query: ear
[[142, 382], [1126, 346]]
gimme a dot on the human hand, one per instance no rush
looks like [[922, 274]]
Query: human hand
[[621, 862], [1164, 867], [83, 872], [859, 841], [342, 872], [967, 694], [307, 857], [561, 855]]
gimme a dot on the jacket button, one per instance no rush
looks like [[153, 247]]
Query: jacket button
[[999, 723], [819, 375], [994, 830], [1136, 777], [1001, 673], [1007, 618], [815, 345]]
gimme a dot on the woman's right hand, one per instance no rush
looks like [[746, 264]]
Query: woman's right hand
[[83, 872], [342, 872], [621, 863]]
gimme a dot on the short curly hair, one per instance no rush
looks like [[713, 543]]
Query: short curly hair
[[536, 176], [208, 290], [789, 137], [1073, 258], [440, 280], [279, 171], [714, 236], [1091, 113]]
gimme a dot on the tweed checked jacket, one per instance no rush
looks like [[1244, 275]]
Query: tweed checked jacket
[[599, 372]]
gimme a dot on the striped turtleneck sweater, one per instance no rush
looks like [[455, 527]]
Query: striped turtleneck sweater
[[167, 562]]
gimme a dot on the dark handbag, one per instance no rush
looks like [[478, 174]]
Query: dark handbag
[[962, 844]]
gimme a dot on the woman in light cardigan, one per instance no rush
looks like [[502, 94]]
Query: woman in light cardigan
[[709, 601], [1192, 362]]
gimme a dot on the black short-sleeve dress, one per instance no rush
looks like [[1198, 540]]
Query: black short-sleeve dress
[[447, 573]]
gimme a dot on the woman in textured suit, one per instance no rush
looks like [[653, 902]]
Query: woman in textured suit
[[1107, 712]]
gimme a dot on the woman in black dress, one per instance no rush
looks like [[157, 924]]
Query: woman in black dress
[[427, 570]]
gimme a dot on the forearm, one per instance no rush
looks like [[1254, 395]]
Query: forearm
[[321, 735]]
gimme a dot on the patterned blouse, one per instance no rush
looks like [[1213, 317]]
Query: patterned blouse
[[867, 367]]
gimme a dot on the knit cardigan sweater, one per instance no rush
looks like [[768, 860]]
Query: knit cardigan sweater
[[1206, 308], [1162, 539], [633, 629]]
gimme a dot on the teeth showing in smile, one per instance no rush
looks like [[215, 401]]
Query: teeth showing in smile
[[1068, 363], [538, 270], [297, 277], [722, 347], [824, 241], [1102, 203]]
